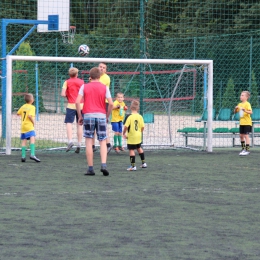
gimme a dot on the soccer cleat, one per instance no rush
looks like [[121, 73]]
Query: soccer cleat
[[116, 149], [90, 173], [70, 145], [132, 168], [35, 158], [109, 149], [144, 165], [121, 149], [77, 149], [23, 160], [244, 153], [105, 171]]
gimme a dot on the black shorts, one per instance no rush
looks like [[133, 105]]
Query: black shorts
[[133, 146], [245, 129]]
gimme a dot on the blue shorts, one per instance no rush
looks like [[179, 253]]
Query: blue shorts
[[27, 135], [92, 124], [117, 126], [70, 115]]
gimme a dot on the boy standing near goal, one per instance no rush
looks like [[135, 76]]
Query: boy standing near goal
[[118, 114], [70, 90], [104, 79], [96, 117], [27, 113], [245, 110], [134, 125]]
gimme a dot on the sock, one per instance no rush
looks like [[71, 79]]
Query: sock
[[32, 147], [120, 140], [247, 147], [70, 141], [103, 165], [79, 144], [108, 145], [132, 161], [115, 140], [90, 168], [142, 157], [23, 151], [243, 145], [93, 146]]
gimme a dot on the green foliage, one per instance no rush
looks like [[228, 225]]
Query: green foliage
[[229, 97], [24, 78], [254, 92]]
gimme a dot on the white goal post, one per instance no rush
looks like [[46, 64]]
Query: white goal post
[[11, 58]]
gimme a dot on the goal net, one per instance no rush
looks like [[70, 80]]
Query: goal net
[[172, 93]]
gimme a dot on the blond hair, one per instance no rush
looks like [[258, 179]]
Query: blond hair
[[28, 97], [73, 72], [247, 93], [135, 104], [119, 93]]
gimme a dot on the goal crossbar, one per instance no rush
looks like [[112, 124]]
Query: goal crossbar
[[11, 58]]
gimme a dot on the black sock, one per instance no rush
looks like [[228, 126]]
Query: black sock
[[247, 147], [243, 144], [108, 145], [132, 161], [93, 146], [142, 157]]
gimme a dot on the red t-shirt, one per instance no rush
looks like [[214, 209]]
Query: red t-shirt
[[73, 86], [94, 98]]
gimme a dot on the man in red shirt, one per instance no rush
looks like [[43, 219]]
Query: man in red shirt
[[70, 90], [95, 117]]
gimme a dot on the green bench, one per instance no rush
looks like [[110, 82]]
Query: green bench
[[225, 114]]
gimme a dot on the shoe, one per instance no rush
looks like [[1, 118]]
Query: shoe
[[121, 149], [105, 171], [244, 153], [109, 149], [144, 165], [35, 158], [90, 173], [117, 150], [77, 149], [70, 145], [23, 160], [131, 168]]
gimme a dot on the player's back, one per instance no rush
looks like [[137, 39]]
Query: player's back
[[134, 123]]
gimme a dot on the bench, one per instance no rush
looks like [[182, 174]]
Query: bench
[[221, 132]]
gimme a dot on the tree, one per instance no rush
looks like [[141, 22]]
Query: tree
[[24, 78], [229, 97], [254, 92]]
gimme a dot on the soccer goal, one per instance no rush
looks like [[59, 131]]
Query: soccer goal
[[172, 93]]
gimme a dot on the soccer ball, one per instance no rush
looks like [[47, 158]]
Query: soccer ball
[[83, 50]]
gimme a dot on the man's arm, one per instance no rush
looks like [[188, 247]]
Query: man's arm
[[78, 107], [64, 89], [110, 106]]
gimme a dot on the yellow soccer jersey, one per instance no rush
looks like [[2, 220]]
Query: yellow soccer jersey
[[116, 117], [26, 123], [245, 119], [134, 123], [105, 79]]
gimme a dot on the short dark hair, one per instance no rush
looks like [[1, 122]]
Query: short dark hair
[[94, 73], [28, 97]]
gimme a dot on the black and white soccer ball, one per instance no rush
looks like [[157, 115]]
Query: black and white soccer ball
[[83, 50]]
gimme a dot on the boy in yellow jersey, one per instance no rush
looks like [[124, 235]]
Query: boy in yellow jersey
[[134, 125], [245, 110], [118, 114], [27, 113]]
